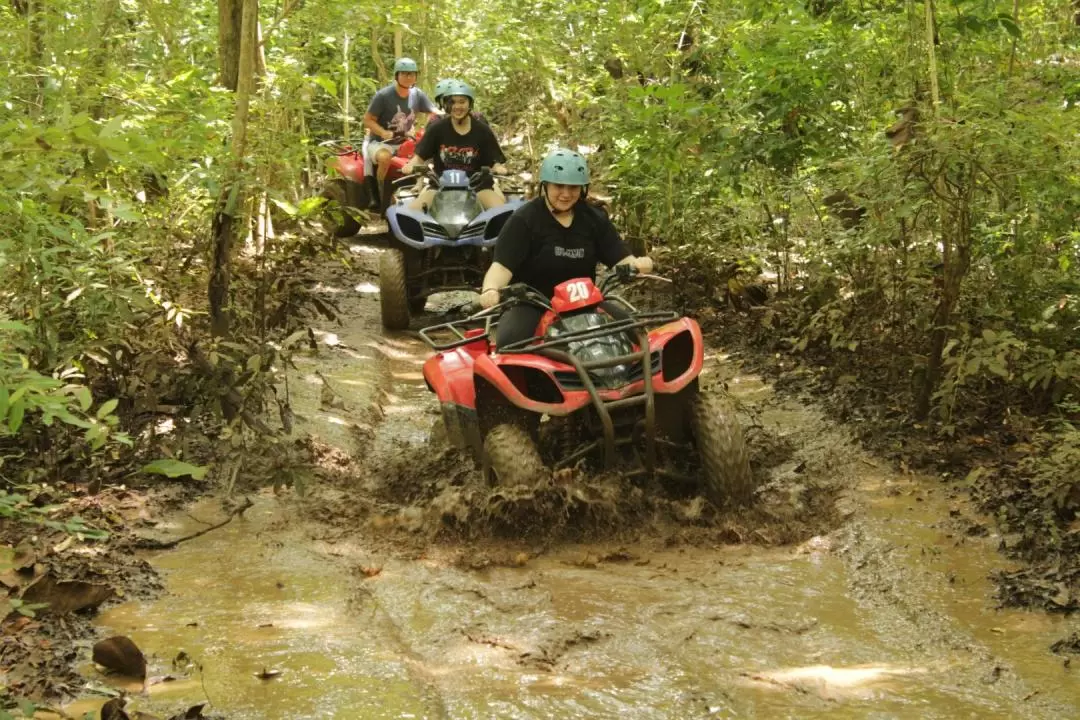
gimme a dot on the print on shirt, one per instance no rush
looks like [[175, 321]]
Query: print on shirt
[[572, 253], [458, 158], [401, 123]]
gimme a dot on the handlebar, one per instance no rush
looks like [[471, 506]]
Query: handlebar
[[339, 146]]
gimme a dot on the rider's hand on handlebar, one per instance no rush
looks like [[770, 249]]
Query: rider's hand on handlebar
[[489, 298], [644, 264], [499, 169]]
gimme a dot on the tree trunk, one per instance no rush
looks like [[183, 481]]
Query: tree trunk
[[231, 202], [230, 19], [34, 10], [376, 57], [956, 260]]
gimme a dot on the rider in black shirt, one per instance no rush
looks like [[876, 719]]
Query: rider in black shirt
[[459, 142], [551, 239]]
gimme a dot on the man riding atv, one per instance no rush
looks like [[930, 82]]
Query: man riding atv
[[390, 120], [552, 238], [458, 142]]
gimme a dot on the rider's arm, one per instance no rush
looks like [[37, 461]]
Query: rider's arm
[[610, 248], [410, 167], [372, 124], [496, 278]]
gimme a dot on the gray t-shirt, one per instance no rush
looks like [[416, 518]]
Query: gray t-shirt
[[397, 113]]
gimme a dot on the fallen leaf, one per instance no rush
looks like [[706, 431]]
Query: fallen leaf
[[192, 713], [114, 710], [370, 572], [267, 674], [65, 596], [120, 655]]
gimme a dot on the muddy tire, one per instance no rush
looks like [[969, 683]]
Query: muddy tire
[[725, 461], [341, 223], [417, 305], [511, 458], [393, 291]]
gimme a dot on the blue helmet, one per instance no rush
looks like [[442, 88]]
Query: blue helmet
[[404, 64], [564, 167]]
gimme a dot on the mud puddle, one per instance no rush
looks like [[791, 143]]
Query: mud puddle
[[369, 609]]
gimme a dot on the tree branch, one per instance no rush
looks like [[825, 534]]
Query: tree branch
[[290, 5], [152, 544]]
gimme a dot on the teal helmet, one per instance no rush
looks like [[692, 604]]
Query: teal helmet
[[564, 167], [440, 88], [458, 87], [404, 64]]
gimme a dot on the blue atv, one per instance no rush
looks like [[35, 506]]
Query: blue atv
[[441, 247]]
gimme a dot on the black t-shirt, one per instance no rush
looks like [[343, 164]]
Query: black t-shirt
[[397, 113], [453, 151], [542, 253]]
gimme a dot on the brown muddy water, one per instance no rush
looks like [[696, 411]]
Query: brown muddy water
[[373, 614]]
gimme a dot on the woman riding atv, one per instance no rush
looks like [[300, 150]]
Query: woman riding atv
[[458, 142], [552, 238]]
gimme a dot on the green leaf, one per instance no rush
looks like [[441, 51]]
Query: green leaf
[[175, 468], [15, 420], [106, 408], [326, 84], [1009, 25], [254, 363], [287, 207], [309, 205], [82, 394]]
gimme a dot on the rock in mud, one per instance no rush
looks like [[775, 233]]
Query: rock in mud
[[66, 596], [120, 655]]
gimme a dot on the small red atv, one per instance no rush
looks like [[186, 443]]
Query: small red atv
[[350, 189], [599, 383]]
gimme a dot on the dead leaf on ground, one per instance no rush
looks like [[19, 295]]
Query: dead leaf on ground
[[267, 674], [192, 713], [370, 572], [65, 596], [120, 655], [114, 710]]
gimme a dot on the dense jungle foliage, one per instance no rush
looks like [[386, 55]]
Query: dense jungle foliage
[[904, 173]]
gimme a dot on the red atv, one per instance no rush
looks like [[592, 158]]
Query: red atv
[[600, 382], [351, 189]]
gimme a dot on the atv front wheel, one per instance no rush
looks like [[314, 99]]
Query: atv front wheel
[[725, 461], [342, 223], [511, 458], [393, 291]]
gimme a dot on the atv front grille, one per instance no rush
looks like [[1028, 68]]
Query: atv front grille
[[435, 230], [570, 380], [477, 231]]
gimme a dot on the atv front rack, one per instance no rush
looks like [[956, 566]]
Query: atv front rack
[[554, 348]]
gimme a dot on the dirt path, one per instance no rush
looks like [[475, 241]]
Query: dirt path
[[387, 591]]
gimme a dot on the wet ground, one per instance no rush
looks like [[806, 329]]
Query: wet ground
[[390, 587]]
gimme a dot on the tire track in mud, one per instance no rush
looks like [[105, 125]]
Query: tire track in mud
[[471, 611]]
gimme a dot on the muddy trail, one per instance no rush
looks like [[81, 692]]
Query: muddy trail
[[390, 584]]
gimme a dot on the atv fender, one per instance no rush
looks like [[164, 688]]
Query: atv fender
[[449, 375], [689, 355]]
